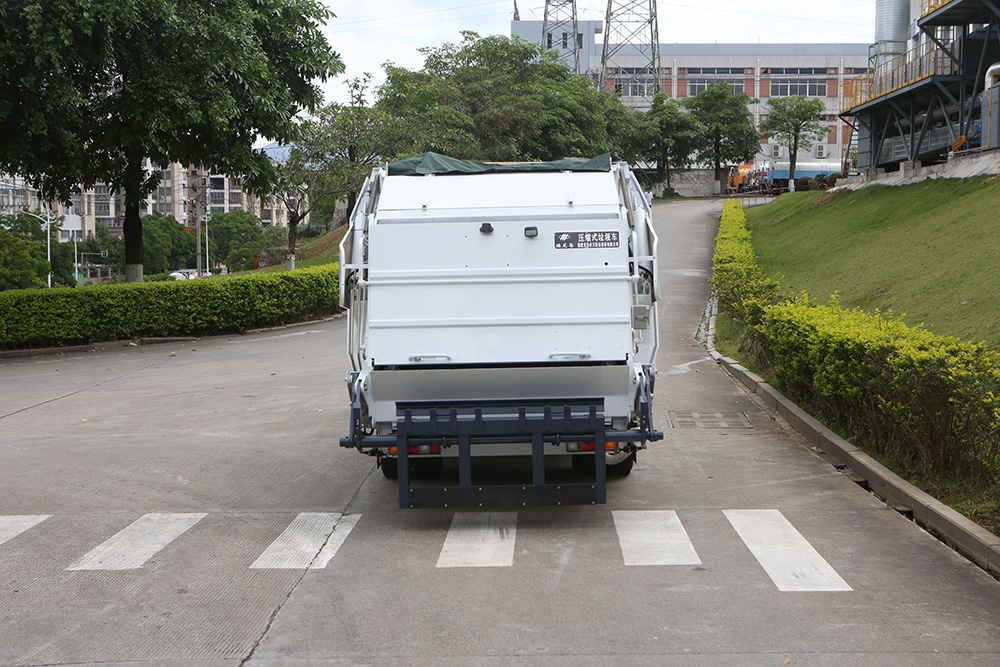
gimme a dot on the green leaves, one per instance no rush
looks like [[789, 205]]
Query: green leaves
[[728, 134], [209, 306], [89, 88], [931, 402]]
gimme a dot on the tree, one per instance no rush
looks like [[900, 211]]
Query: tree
[[233, 229], [334, 154], [675, 135], [243, 256], [21, 267], [166, 244], [728, 134], [792, 121], [116, 82], [28, 226], [495, 98], [103, 241]]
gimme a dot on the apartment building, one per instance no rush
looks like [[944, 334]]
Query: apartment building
[[185, 192]]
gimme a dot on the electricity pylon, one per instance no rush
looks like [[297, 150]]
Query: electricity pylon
[[631, 48], [560, 32]]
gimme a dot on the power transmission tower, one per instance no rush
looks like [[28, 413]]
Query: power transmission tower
[[560, 32], [632, 48]]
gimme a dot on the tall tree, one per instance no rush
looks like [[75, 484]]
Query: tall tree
[[728, 134], [675, 135], [91, 89], [335, 152], [793, 121], [495, 98]]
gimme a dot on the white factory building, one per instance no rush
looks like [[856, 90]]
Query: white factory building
[[761, 71]]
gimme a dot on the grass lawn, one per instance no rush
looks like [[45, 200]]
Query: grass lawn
[[928, 251], [323, 249]]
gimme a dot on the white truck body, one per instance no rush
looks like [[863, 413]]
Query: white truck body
[[509, 286]]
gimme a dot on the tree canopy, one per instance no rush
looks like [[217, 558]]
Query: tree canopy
[[675, 134], [728, 134], [793, 121], [90, 89], [495, 98]]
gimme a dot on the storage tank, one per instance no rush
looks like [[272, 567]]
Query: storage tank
[[892, 20]]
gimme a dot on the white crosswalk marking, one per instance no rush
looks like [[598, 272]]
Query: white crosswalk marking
[[480, 540], [653, 537], [131, 547], [309, 541], [12, 526], [791, 562]]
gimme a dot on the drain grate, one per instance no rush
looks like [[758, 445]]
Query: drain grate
[[692, 419]]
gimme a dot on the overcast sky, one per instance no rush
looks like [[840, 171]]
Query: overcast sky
[[367, 33]]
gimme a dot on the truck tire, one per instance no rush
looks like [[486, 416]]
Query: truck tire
[[622, 468], [583, 464], [390, 467]]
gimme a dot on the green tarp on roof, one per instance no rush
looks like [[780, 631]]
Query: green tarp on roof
[[433, 163]]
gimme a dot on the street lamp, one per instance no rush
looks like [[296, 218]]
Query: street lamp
[[48, 237]]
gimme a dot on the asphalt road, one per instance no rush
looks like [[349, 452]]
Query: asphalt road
[[188, 504]]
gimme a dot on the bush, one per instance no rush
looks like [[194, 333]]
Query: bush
[[831, 179], [931, 402], [801, 184], [53, 317], [743, 289]]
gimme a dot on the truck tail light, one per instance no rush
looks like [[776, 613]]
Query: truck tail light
[[589, 446], [423, 449]]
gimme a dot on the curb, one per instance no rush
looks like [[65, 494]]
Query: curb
[[949, 525], [41, 351]]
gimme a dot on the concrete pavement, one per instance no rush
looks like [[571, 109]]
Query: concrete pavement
[[213, 465]]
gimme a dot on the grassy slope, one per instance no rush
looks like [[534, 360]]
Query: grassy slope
[[929, 251], [323, 249]]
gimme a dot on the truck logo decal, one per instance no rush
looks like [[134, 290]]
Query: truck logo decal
[[566, 240]]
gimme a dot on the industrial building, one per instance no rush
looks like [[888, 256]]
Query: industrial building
[[931, 93], [761, 71]]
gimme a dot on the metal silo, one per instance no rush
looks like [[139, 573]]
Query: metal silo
[[892, 20]]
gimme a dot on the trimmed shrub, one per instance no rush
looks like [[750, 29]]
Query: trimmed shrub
[[54, 317], [743, 289], [931, 402]]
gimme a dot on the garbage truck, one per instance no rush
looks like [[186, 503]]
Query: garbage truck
[[496, 310]]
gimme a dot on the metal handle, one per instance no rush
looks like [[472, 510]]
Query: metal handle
[[569, 355], [429, 357]]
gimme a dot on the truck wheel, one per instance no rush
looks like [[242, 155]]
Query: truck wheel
[[622, 468], [390, 467], [583, 464]]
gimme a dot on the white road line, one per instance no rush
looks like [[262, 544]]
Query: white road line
[[653, 537], [309, 541], [12, 526], [131, 547], [785, 555], [480, 540]]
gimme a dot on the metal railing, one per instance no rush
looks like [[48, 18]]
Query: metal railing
[[918, 63], [928, 6]]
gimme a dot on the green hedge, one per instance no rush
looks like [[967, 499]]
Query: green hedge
[[931, 402], [68, 316]]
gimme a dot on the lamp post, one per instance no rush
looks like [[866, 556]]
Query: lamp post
[[48, 237]]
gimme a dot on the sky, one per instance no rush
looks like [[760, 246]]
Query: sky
[[368, 33]]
